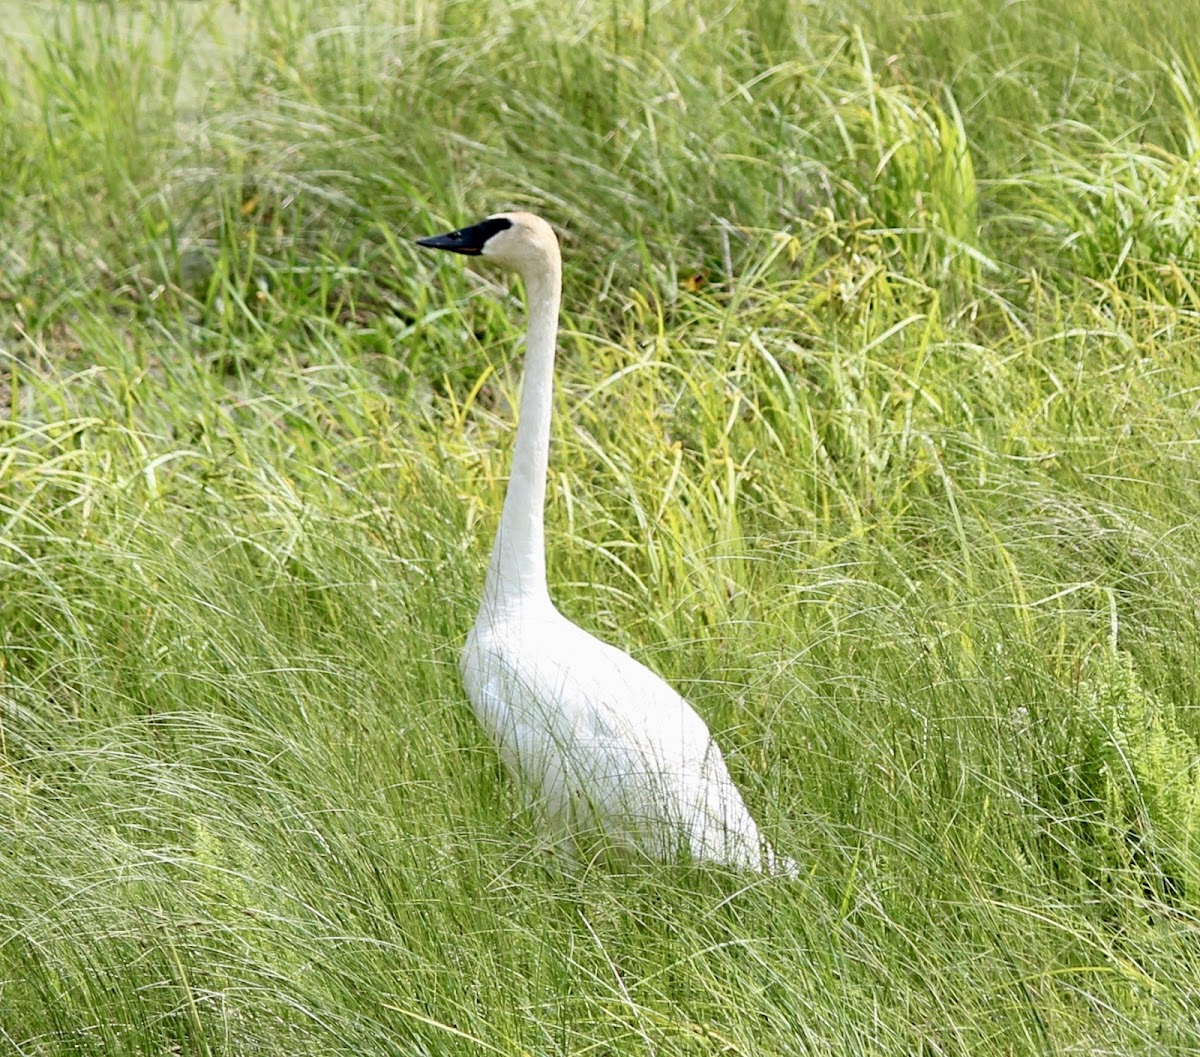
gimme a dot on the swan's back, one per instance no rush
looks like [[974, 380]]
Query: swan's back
[[602, 745]]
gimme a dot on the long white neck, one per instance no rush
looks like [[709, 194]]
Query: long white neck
[[517, 571]]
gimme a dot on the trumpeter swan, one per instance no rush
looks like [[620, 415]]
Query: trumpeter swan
[[600, 744]]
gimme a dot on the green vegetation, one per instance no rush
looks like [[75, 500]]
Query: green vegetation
[[878, 431]]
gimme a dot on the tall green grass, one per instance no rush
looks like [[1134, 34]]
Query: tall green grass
[[876, 436]]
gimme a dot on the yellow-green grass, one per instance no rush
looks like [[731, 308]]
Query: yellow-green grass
[[877, 435]]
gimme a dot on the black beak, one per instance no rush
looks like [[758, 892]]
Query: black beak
[[469, 240], [454, 241]]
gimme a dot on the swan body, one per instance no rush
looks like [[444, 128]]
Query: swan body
[[600, 744]]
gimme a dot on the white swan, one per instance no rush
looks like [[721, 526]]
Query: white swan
[[601, 745]]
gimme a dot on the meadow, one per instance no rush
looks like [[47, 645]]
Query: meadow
[[877, 435]]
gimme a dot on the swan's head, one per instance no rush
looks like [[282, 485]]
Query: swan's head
[[520, 241]]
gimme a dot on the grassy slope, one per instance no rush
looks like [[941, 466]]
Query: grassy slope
[[877, 429]]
